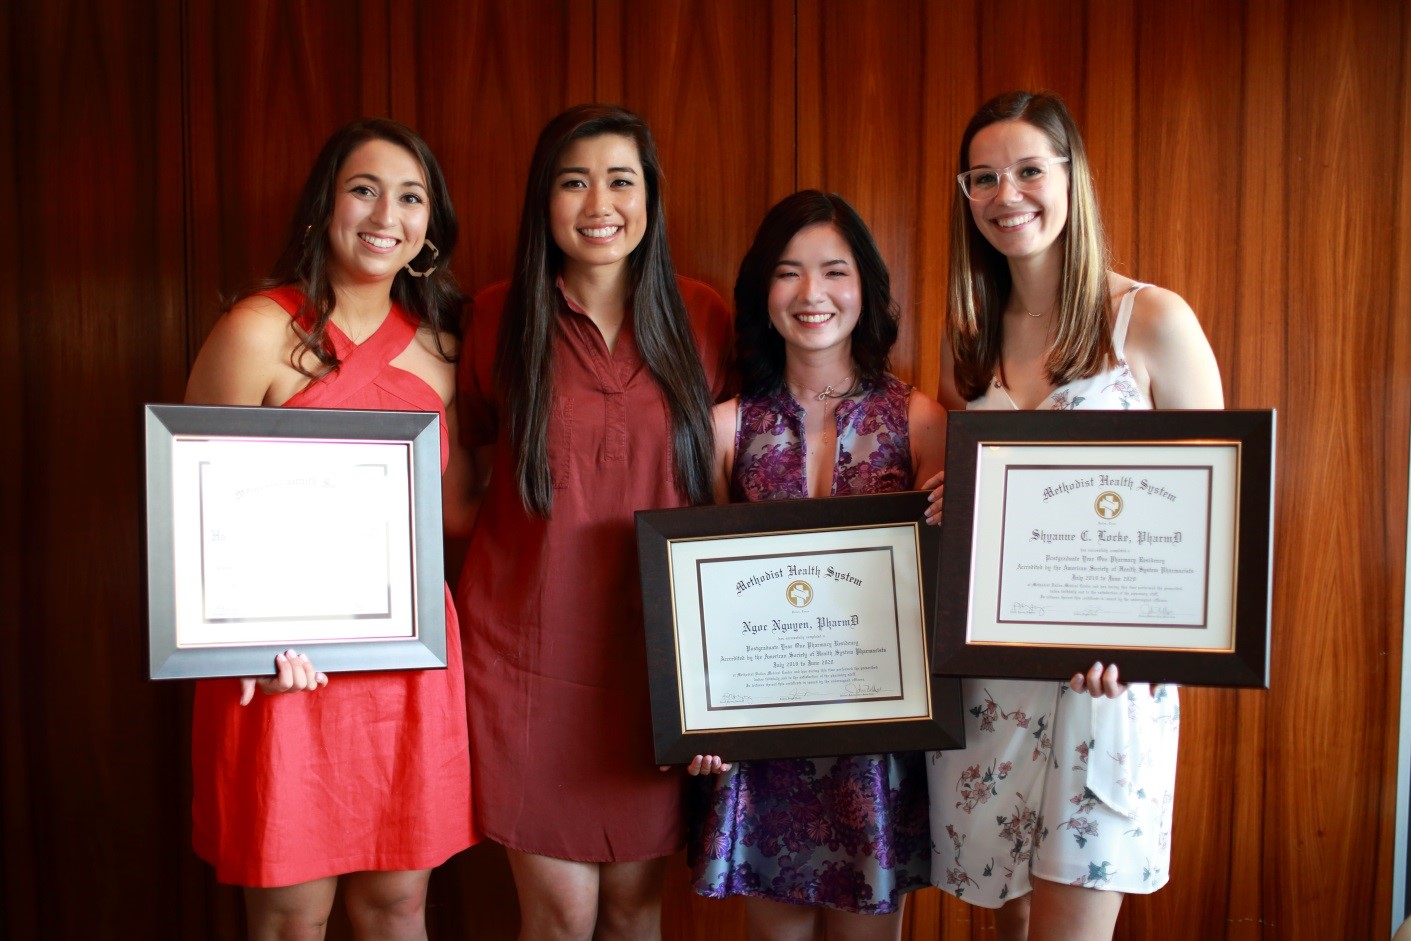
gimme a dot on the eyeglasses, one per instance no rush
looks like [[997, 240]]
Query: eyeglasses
[[1025, 175]]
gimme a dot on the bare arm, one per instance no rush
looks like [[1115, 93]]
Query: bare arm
[[928, 436], [724, 416], [927, 421], [244, 360]]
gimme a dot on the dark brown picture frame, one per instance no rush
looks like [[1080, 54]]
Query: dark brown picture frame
[[1251, 431], [657, 530]]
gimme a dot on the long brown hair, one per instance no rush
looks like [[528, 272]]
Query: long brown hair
[[980, 282], [303, 262], [524, 354]]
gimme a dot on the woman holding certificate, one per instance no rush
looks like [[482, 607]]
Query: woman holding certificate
[[583, 377], [1060, 802], [830, 841], [367, 778]]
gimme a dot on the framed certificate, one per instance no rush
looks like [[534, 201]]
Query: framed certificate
[[793, 628], [1137, 538], [271, 528]]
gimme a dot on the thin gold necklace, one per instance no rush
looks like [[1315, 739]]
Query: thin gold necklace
[[828, 392]]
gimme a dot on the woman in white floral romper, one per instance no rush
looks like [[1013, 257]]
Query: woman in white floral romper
[[1060, 803]]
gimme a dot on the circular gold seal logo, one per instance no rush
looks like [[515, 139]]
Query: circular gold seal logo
[[799, 593], [1108, 505]]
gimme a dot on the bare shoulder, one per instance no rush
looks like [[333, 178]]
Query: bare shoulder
[[1159, 317], [922, 408], [245, 360], [1169, 354], [257, 321]]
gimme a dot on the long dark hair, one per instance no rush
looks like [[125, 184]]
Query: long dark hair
[[303, 263], [760, 350], [980, 282], [524, 356]]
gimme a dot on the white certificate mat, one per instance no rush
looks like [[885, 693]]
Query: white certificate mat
[[800, 628], [1089, 547], [241, 574]]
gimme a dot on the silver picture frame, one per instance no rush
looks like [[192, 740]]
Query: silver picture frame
[[274, 528]]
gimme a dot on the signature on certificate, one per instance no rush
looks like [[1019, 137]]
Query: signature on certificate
[[858, 688], [1023, 607], [1155, 611]]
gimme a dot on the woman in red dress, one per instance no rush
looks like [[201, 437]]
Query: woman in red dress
[[368, 778], [584, 388]]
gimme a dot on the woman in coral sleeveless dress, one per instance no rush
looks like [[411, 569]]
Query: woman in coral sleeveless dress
[[362, 775], [1060, 802], [830, 843]]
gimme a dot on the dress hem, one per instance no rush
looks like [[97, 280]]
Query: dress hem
[[592, 858], [409, 863], [814, 903]]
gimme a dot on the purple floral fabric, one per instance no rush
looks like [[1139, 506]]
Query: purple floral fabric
[[850, 833], [873, 441]]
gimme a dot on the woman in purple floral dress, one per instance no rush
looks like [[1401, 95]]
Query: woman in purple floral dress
[[836, 840]]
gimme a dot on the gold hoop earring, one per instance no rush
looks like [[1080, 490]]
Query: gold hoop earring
[[435, 254]]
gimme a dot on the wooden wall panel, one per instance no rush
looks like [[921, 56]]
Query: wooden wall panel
[[267, 82], [1186, 116], [1109, 123], [675, 63], [1254, 377], [1033, 45], [96, 242], [863, 130], [17, 834], [487, 77], [1341, 596], [951, 93]]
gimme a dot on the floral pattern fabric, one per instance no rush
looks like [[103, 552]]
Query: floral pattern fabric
[[1057, 785], [874, 445], [849, 833], [1052, 783]]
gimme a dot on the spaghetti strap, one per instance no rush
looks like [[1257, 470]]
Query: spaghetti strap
[[1124, 318]]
